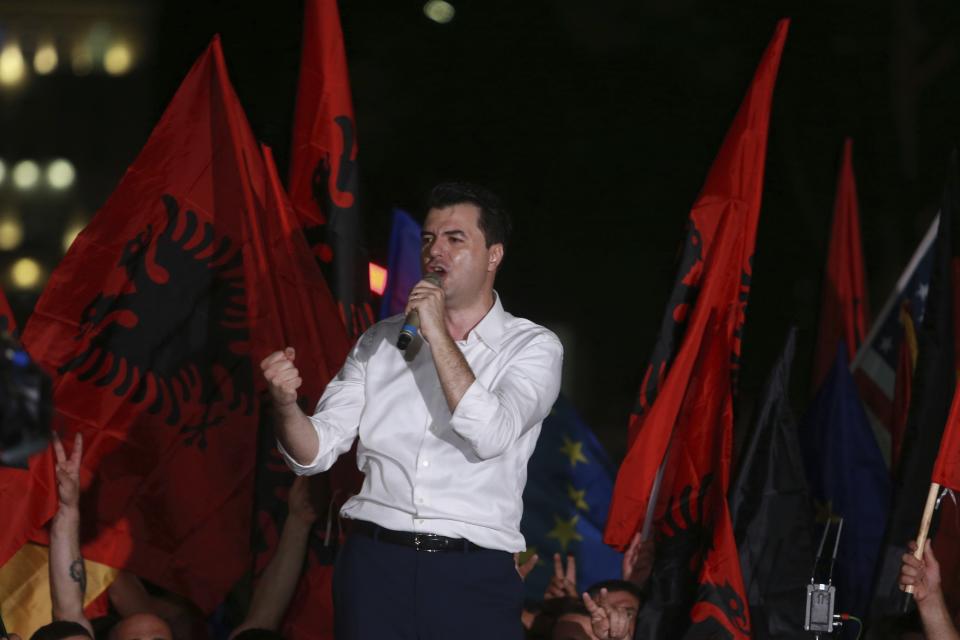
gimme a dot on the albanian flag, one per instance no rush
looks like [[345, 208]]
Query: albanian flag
[[844, 309], [311, 324], [324, 177], [685, 401], [153, 325]]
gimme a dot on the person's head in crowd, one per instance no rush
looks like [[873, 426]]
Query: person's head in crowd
[[573, 622], [141, 626], [61, 630], [621, 594], [258, 634]]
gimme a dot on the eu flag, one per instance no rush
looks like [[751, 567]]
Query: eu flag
[[848, 479], [403, 263], [565, 503]]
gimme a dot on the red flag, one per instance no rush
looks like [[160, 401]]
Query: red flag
[[730, 200], [685, 401], [946, 469], [148, 327], [844, 308], [311, 324], [324, 177]]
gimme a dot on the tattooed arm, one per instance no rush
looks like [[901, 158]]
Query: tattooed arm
[[68, 576]]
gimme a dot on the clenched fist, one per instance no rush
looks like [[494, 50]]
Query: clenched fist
[[282, 377]]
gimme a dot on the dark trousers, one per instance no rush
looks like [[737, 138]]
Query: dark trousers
[[387, 591]]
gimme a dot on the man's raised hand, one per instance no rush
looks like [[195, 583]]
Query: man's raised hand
[[563, 584], [282, 377], [68, 471], [609, 623], [921, 574]]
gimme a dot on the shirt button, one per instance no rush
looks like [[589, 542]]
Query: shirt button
[[426, 463]]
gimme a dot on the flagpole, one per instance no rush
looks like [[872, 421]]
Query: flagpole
[[925, 524], [928, 238]]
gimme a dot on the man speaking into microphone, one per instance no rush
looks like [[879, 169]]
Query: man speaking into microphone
[[445, 426]]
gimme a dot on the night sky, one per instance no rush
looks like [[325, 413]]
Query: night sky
[[596, 122]]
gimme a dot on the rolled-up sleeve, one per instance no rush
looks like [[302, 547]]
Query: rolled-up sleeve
[[336, 419], [492, 419]]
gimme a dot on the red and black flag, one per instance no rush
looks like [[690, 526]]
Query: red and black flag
[[151, 327], [311, 324], [324, 175], [683, 419], [843, 308]]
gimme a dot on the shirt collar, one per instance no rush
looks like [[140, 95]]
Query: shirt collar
[[490, 329]]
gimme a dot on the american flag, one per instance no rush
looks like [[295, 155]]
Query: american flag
[[891, 340]]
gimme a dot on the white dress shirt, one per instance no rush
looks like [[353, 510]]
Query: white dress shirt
[[427, 470]]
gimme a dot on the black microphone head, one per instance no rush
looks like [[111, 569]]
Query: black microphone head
[[404, 340]]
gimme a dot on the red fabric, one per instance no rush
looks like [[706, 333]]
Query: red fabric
[[692, 513], [153, 326], [314, 328], [8, 323], [946, 469], [693, 411], [323, 184], [324, 176], [723, 224], [844, 308], [323, 95]]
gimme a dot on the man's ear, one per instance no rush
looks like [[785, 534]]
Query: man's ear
[[496, 257]]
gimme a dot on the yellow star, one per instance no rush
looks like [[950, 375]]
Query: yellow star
[[825, 512], [565, 531], [578, 497], [573, 450]]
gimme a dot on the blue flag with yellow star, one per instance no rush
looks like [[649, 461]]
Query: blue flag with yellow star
[[849, 479], [565, 503]]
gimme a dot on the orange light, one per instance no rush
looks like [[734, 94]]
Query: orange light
[[378, 279]]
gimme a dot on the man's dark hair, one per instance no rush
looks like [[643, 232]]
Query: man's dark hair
[[615, 585], [494, 220], [60, 629]]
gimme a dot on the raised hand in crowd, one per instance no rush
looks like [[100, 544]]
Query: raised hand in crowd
[[68, 575], [563, 584], [279, 580], [923, 575], [524, 568], [608, 622], [638, 560]]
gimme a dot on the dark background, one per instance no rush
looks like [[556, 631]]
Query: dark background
[[595, 121]]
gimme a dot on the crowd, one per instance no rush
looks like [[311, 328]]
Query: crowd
[[605, 611]]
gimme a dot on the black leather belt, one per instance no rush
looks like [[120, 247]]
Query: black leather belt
[[429, 542]]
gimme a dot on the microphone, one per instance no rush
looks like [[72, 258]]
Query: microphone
[[411, 324]]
